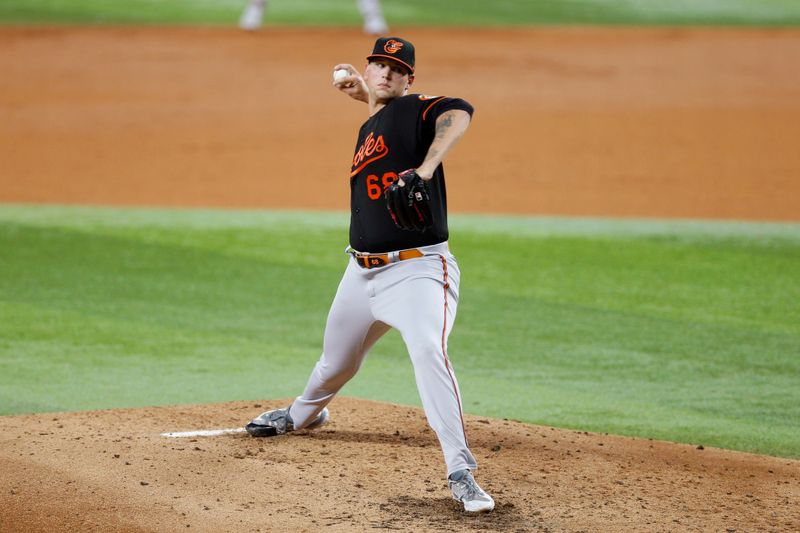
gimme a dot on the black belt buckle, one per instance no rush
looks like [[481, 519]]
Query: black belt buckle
[[373, 261]]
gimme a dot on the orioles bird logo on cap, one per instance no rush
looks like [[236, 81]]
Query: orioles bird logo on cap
[[392, 46]]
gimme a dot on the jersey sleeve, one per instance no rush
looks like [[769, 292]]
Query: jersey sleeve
[[434, 106], [442, 104]]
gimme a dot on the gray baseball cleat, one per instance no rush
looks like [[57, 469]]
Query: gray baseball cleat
[[465, 490], [278, 422]]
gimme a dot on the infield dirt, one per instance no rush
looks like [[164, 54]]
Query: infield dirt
[[594, 122]]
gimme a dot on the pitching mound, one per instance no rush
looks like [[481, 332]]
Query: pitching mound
[[373, 466]]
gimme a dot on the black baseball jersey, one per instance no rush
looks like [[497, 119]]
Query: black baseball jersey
[[395, 139]]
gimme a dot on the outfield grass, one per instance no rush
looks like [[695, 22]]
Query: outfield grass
[[682, 331], [409, 12]]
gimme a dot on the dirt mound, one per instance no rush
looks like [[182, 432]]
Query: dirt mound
[[374, 466]]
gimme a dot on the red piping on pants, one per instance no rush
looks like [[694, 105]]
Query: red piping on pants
[[444, 351]]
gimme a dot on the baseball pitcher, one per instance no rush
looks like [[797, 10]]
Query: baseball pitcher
[[400, 273]]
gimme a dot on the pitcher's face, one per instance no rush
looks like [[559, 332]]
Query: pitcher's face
[[387, 79]]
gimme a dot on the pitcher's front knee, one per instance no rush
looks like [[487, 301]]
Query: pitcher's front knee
[[426, 352], [334, 377]]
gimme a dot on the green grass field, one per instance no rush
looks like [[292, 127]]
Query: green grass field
[[409, 12], [683, 331]]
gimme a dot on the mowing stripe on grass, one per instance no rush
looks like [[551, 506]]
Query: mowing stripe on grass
[[79, 217], [408, 12]]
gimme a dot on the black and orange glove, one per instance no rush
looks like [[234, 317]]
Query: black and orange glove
[[409, 204]]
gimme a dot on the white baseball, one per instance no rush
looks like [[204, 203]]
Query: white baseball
[[340, 74]]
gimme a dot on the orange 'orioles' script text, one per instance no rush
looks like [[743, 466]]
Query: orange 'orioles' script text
[[370, 150]]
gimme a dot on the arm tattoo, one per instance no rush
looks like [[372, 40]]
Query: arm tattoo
[[450, 126], [443, 125]]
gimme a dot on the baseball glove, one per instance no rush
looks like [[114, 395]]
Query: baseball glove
[[409, 204]]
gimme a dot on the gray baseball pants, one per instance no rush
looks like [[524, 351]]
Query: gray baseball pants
[[418, 297]]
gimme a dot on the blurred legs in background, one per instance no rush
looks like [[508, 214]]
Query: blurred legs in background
[[252, 15], [374, 23]]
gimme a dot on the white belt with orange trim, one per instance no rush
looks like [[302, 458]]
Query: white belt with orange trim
[[368, 260]]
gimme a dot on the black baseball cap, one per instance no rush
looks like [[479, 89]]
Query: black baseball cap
[[396, 49]]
